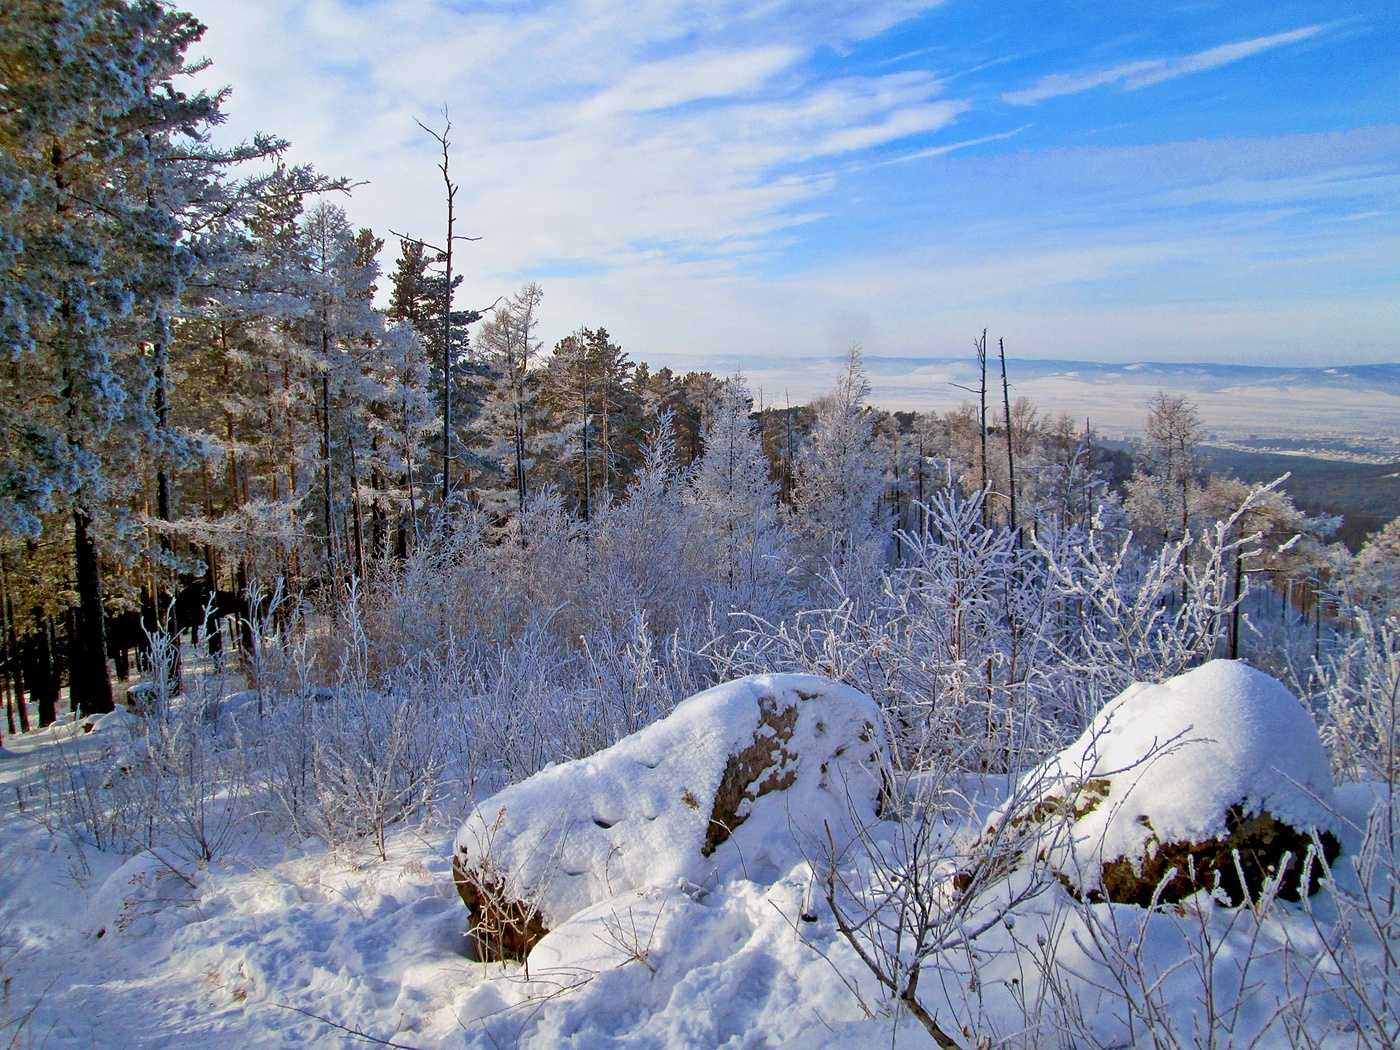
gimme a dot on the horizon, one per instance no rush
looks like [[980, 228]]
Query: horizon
[[1203, 182]]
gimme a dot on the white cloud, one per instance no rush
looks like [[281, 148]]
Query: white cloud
[[1057, 84], [584, 132], [1134, 75], [654, 163], [1126, 264], [691, 78]]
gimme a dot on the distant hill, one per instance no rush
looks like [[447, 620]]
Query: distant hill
[[1352, 408], [1367, 495]]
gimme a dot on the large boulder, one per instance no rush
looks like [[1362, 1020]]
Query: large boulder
[[1171, 782], [741, 779]]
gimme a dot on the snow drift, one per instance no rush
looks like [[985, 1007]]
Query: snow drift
[[1177, 778], [740, 778]]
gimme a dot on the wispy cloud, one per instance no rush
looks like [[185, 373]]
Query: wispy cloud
[[1134, 75], [951, 147], [702, 175], [583, 131], [692, 78]]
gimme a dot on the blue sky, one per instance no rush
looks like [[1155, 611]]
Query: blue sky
[[1197, 181]]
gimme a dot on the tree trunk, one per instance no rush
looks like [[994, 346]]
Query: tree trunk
[[40, 673], [982, 428], [326, 508], [1235, 610], [13, 664], [358, 522], [412, 496], [587, 467], [1010, 452], [923, 510], [89, 686]]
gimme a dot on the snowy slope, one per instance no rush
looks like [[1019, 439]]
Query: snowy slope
[[282, 943]]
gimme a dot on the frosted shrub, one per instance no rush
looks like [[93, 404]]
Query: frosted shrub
[[994, 654], [347, 765], [198, 783], [84, 789], [1356, 692], [376, 762], [928, 900], [1344, 966], [273, 617], [1350, 964], [346, 762], [946, 643], [1134, 617], [177, 777]]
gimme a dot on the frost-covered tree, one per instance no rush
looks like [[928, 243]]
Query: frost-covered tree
[[244, 370], [509, 348], [737, 502], [1065, 486], [338, 326], [839, 478], [1165, 490], [402, 425], [103, 157], [1374, 577]]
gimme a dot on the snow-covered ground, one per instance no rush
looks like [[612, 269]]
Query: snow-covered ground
[[280, 942]]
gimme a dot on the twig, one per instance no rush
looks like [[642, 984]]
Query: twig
[[358, 1033]]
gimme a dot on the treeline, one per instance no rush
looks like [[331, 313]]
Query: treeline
[[199, 392]]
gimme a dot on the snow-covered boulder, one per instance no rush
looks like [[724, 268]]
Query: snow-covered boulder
[[117, 725], [1177, 777], [739, 779]]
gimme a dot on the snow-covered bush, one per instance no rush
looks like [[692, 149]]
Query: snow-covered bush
[[1356, 692], [997, 653]]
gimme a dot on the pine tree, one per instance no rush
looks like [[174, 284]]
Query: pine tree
[[839, 479], [95, 196], [508, 348], [418, 290], [737, 499]]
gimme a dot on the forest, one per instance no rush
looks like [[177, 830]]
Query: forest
[[295, 545]]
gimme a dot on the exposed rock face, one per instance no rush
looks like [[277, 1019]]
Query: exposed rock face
[[502, 926], [1171, 781], [738, 780], [1262, 842]]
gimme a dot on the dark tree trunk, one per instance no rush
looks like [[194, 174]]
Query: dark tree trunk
[[211, 581], [245, 625], [14, 665], [1010, 448], [982, 418], [121, 660], [332, 566], [587, 467], [89, 687], [40, 672]]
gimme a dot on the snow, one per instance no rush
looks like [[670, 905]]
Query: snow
[[1178, 755], [637, 814], [277, 947], [281, 942], [120, 724]]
